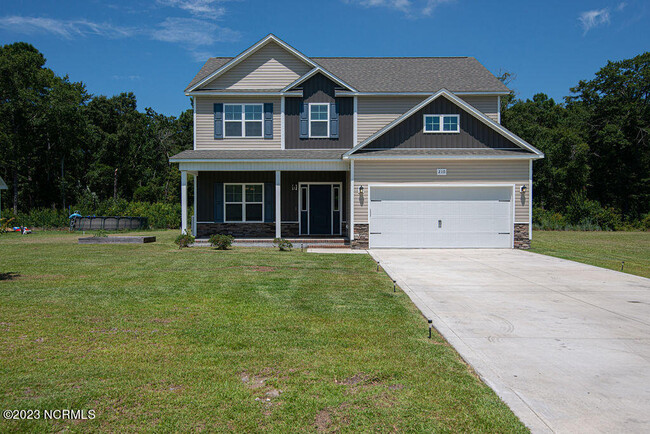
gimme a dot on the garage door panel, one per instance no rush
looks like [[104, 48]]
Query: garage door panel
[[440, 217]]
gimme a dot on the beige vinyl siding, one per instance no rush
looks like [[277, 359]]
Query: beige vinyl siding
[[205, 125], [486, 104], [375, 112], [271, 67], [424, 172]]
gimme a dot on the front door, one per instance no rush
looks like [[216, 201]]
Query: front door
[[320, 209]]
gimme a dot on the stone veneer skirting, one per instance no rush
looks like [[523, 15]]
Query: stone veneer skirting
[[242, 230], [522, 240], [360, 236]]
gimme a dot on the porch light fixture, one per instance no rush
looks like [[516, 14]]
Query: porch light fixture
[[523, 189], [361, 189]]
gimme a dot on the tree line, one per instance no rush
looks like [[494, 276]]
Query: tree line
[[60, 145]]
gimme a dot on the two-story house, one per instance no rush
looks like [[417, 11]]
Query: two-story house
[[384, 151]]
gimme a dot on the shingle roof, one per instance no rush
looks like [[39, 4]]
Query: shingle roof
[[441, 152], [257, 154], [397, 74]]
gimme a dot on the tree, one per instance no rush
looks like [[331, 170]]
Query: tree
[[616, 121]]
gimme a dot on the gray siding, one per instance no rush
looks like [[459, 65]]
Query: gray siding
[[318, 89], [375, 112], [271, 67], [487, 104], [424, 172], [473, 133]]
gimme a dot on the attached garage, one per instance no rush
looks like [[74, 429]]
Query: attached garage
[[452, 216]]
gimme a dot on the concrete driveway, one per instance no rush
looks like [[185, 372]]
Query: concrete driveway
[[565, 345]]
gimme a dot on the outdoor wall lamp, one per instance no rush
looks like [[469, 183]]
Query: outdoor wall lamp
[[523, 189], [361, 189]]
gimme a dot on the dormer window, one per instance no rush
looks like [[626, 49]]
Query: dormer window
[[243, 120], [441, 123], [319, 115]]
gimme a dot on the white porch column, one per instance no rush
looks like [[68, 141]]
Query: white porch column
[[183, 201], [196, 175], [351, 231], [278, 211]]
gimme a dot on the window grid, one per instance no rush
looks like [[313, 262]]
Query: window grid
[[243, 120], [248, 197], [319, 120], [441, 123]]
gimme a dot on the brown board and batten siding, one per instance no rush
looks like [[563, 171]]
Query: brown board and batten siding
[[425, 172], [319, 89], [473, 132], [271, 67], [205, 124]]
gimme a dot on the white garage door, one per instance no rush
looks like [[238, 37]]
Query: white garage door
[[440, 217]]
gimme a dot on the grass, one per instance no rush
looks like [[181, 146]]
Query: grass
[[603, 249], [245, 340]]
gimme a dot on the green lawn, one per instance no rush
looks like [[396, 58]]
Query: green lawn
[[153, 338], [603, 249]]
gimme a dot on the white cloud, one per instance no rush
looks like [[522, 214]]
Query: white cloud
[[193, 32], [621, 6], [127, 77], [63, 28], [590, 19], [412, 8], [200, 8]]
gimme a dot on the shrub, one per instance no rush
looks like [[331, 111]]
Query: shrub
[[283, 244], [221, 242], [548, 220], [184, 240], [645, 222], [590, 215]]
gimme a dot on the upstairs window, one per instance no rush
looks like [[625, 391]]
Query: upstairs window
[[319, 125], [441, 123], [243, 120]]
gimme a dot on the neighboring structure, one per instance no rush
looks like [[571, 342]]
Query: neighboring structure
[[389, 152], [3, 186]]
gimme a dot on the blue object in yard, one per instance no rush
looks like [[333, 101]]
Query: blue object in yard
[[74, 214]]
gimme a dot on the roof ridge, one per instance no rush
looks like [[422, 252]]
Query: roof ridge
[[391, 57]]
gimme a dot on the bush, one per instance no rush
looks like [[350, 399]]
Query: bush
[[548, 220], [590, 215], [184, 240], [645, 222], [221, 242], [283, 244]]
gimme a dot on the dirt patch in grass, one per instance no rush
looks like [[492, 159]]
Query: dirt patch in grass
[[9, 276], [263, 269]]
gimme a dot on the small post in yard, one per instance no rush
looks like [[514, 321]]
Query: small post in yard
[[622, 265], [430, 325], [377, 266], [394, 284]]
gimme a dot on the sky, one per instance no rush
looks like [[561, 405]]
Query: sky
[[154, 48]]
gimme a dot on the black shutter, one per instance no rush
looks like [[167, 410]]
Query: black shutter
[[218, 121], [334, 120], [218, 202], [268, 120], [304, 121], [269, 202]]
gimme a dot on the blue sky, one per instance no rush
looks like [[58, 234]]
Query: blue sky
[[154, 48]]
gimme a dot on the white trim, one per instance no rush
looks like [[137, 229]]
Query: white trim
[[243, 202], [183, 201], [355, 122], [445, 185], [300, 210], [499, 109], [309, 120], [346, 93], [282, 121], [248, 93], [278, 209], [243, 120], [530, 200], [194, 209], [194, 122], [467, 107], [444, 157], [237, 59], [351, 219], [441, 119], [315, 71]]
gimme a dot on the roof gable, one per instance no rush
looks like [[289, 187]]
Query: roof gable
[[270, 63], [506, 139]]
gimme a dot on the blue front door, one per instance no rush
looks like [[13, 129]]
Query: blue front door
[[320, 209]]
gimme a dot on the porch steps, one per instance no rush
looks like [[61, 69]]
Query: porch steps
[[334, 243]]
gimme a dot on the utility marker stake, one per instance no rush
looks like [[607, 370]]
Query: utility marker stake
[[430, 325], [378, 266], [622, 265], [394, 283]]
